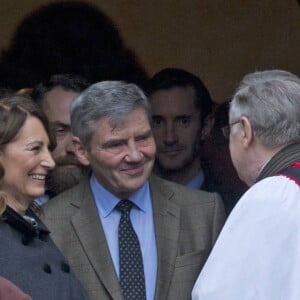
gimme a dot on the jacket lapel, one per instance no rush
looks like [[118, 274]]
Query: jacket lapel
[[90, 233], [167, 226], [88, 228]]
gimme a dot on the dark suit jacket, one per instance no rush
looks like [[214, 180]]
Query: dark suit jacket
[[187, 223]]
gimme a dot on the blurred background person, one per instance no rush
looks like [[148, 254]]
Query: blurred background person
[[216, 161], [55, 96], [257, 253], [28, 256], [180, 102]]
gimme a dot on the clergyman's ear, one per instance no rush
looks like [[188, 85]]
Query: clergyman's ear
[[246, 131], [81, 151]]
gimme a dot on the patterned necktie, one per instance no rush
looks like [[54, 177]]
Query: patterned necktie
[[132, 278]]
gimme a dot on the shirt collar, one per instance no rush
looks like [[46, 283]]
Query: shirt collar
[[106, 201], [197, 181]]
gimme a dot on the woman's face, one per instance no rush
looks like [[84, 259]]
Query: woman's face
[[26, 161]]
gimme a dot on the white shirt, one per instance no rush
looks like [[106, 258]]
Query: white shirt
[[257, 255]]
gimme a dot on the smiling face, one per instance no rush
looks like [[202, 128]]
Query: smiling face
[[176, 127], [122, 156], [26, 161]]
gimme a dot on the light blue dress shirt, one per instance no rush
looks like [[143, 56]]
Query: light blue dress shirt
[[141, 216], [41, 200], [197, 181]]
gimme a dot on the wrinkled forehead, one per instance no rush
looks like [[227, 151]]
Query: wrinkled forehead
[[137, 117]]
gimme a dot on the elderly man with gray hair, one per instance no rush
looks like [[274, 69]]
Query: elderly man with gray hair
[[128, 234], [257, 255]]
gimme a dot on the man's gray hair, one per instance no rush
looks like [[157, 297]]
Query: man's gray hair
[[107, 99], [271, 101]]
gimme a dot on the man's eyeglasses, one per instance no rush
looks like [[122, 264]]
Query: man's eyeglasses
[[226, 129]]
